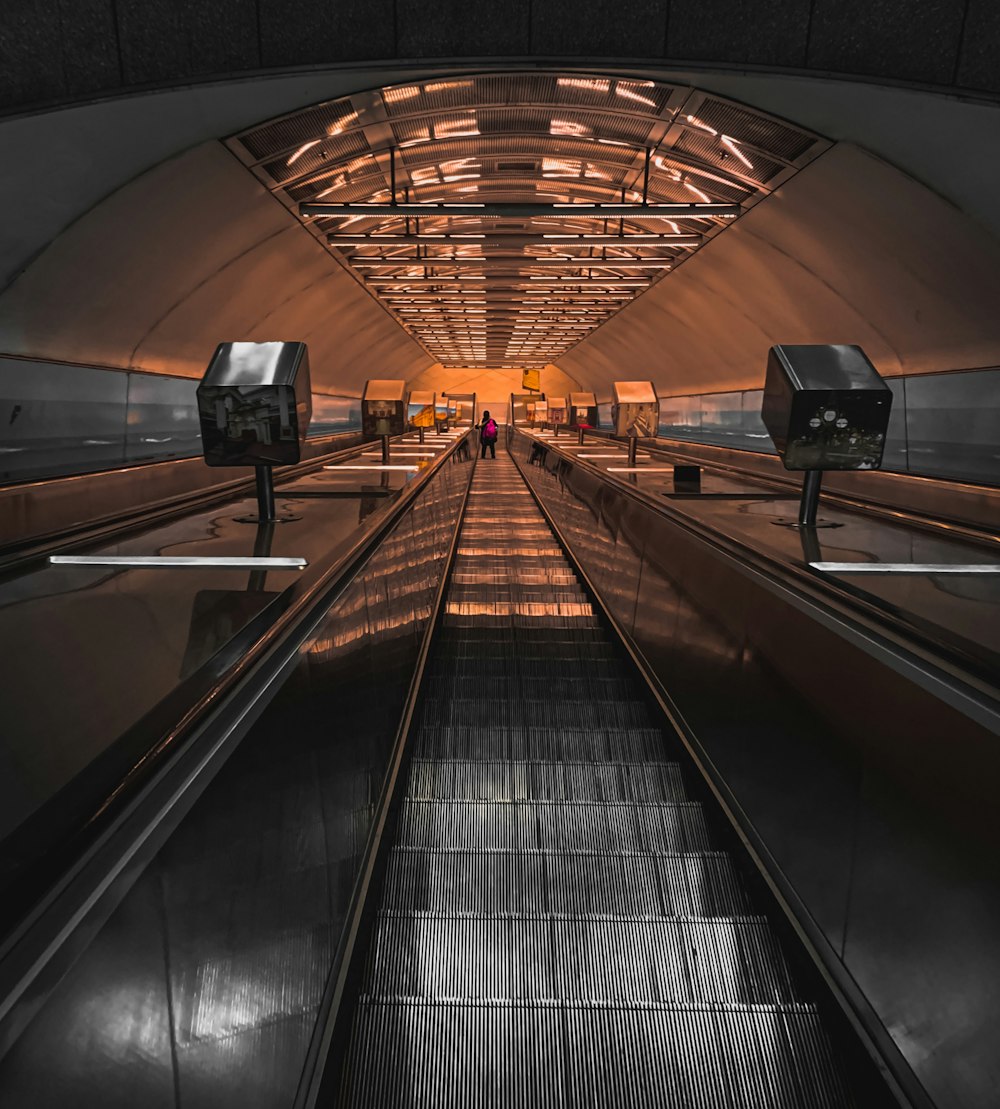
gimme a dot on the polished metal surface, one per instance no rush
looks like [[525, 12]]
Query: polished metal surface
[[869, 796], [557, 926], [942, 503], [741, 510], [825, 407], [202, 989], [154, 562], [33, 511], [255, 404]]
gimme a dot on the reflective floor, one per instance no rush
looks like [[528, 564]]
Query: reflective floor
[[558, 925]]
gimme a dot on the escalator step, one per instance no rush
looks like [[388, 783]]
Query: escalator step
[[536, 635], [553, 825], [491, 883], [509, 780], [526, 742], [530, 668], [630, 960], [435, 1053], [542, 713], [567, 685], [552, 613]]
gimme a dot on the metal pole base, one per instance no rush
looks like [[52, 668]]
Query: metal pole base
[[385, 450], [266, 513], [808, 505], [633, 446]]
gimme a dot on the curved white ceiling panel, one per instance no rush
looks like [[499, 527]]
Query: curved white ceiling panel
[[849, 251], [192, 253]]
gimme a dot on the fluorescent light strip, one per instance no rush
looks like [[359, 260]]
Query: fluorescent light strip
[[522, 211], [559, 240], [639, 470], [158, 562], [406, 469], [906, 567], [364, 262]]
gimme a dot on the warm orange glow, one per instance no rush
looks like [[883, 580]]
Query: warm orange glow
[[301, 150], [567, 127], [630, 94], [492, 154], [697, 192], [731, 145], [591, 84], [400, 92], [342, 124]]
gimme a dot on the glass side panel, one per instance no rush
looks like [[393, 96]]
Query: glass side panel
[[944, 425], [953, 425], [333, 414], [895, 457], [58, 419], [680, 417], [162, 418]]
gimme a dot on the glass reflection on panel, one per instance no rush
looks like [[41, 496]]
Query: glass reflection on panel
[[333, 414], [162, 419], [953, 425], [680, 417], [58, 419]]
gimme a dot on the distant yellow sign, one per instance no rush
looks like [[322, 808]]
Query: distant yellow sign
[[531, 379]]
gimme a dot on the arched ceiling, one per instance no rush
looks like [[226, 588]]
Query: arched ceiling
[[503, 217]]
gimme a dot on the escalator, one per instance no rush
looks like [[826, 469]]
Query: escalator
[[558, 922], [542, 912]]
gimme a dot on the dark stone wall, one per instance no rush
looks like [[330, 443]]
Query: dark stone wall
[[59, 51]]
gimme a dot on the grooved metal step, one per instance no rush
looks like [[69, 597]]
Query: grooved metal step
[[555, 928], [542, 713], [528, 741], [515, 780], [574, 1055], [489, 883], [504, 687], [618, 959], [611, 827]]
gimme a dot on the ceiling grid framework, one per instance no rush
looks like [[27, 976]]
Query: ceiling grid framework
[[501, 218]]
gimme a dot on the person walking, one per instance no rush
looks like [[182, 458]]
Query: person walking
[[488, 432]]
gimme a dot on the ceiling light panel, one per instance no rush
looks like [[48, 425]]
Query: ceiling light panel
[[513, 284]]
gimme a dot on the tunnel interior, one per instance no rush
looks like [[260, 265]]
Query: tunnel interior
[[470, 228]]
